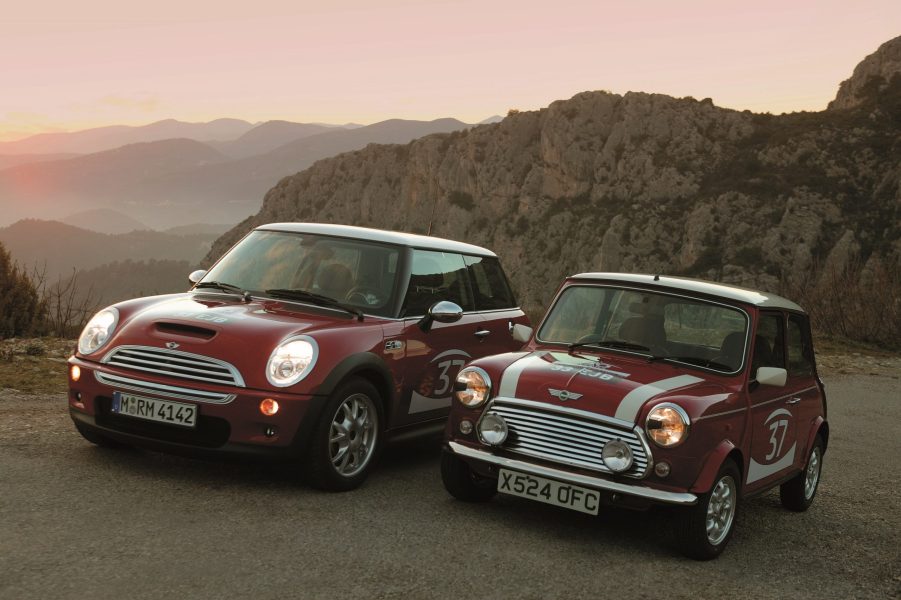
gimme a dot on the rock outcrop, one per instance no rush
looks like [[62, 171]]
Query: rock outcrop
[[639, 182], [876, 70]]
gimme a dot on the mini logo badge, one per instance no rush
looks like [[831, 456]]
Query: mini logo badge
[[171, 345], [564, 395]]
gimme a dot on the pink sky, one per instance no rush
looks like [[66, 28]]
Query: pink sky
[[72, 65]]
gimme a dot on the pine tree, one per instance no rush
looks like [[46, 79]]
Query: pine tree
[[21, 307]]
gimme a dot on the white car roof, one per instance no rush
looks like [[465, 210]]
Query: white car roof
[[730, 292], [380, 235]]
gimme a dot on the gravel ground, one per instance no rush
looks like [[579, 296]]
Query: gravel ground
[[78, 521]]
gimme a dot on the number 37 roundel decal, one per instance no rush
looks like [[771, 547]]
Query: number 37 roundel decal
[[777, 425], [436, 387]]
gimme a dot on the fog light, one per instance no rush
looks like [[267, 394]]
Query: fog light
[[465, 426], [268, 407], [662, 469], [617, 456], [493, 429], [269, 431], [75, 372]]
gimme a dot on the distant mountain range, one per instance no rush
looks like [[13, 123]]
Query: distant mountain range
[[171, 181]]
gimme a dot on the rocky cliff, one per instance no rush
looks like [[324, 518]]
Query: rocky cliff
[[639, 182]]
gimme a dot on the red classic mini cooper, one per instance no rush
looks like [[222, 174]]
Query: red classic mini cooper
[[307, 340], [638, 390]]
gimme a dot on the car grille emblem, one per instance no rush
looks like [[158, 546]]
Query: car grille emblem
[[171, 345], [564, 395]]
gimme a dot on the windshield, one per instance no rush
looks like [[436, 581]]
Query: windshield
[[359, 274], [662, 326]]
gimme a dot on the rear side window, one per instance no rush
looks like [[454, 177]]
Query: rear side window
[[800, 354], [436, 276], [768, 342], [490, 288]]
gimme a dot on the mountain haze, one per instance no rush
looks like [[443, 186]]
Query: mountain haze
[[174, 181], [638, 182]]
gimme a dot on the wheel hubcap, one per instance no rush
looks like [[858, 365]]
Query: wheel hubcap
[[813, 474], [721, 510], [353, 435]]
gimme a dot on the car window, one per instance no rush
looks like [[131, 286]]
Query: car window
[[768, 342], [436, 276], [800, 356], [354, 272], [490, 287], [690, 331]]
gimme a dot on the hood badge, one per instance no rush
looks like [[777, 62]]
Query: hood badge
[[564, 395], [172, 345]]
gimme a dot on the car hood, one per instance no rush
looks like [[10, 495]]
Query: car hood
[[241, 333], [617, 388]]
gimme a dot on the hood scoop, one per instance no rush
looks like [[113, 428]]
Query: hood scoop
[[182, 330]]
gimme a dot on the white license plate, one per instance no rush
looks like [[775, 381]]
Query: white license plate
[[549, 491], [154, 409]]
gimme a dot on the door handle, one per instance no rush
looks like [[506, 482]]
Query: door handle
[[482, 333], [794, 400]]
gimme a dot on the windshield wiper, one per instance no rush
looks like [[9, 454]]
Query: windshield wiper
[[318, 299], [617, 344], [225, 287], [701, 362]]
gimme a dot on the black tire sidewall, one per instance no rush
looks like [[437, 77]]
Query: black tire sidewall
[[692, 529]]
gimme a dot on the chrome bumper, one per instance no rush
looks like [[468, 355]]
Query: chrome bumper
[[677, 498]]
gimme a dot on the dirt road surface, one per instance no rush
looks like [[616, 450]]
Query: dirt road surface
[[77, 521]]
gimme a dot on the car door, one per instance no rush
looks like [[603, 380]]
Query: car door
[[495, 302], [773, 411], [802, 381], [433, 355]]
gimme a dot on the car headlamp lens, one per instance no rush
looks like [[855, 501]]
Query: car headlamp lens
[[617, 456], [291, 361], [667, 425], [473, 387], [493, 429], [98, 331]]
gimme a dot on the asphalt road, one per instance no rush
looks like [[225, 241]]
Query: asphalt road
[[78, 521]]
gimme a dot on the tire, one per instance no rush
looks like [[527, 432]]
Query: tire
[[797, 494], [98, 439], [462, 483], [702, 541], [347, 438]]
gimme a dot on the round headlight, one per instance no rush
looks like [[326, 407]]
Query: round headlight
[[617, 456], [667, 425], [493, 429], [291, 361], [98, 331], [473, 387]]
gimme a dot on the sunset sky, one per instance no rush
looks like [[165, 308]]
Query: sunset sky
[[72, 65]]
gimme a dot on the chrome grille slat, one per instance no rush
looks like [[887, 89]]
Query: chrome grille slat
[[174, 364], [157, 389], [127, 361], [567, 438]]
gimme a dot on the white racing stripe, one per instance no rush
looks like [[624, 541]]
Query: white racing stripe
[[510, 378], [630, 405]]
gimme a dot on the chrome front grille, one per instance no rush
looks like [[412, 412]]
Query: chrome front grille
[[119, 383], [175, 364], [565, 436]]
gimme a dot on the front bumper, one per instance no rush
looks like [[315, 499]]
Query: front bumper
[[234, 426], [606, 485]]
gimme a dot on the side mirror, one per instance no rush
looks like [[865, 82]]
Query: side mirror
[[522, 333], [196, 276], [772, 376], [443, 312]]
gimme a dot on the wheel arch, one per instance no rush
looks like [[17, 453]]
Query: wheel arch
[[368, 367], [724, 451]]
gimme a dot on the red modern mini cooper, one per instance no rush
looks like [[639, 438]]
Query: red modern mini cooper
[[638, 390], [303, 340]]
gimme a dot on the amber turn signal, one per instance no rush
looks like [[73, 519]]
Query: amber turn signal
[[268, 407], [75, 372]]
